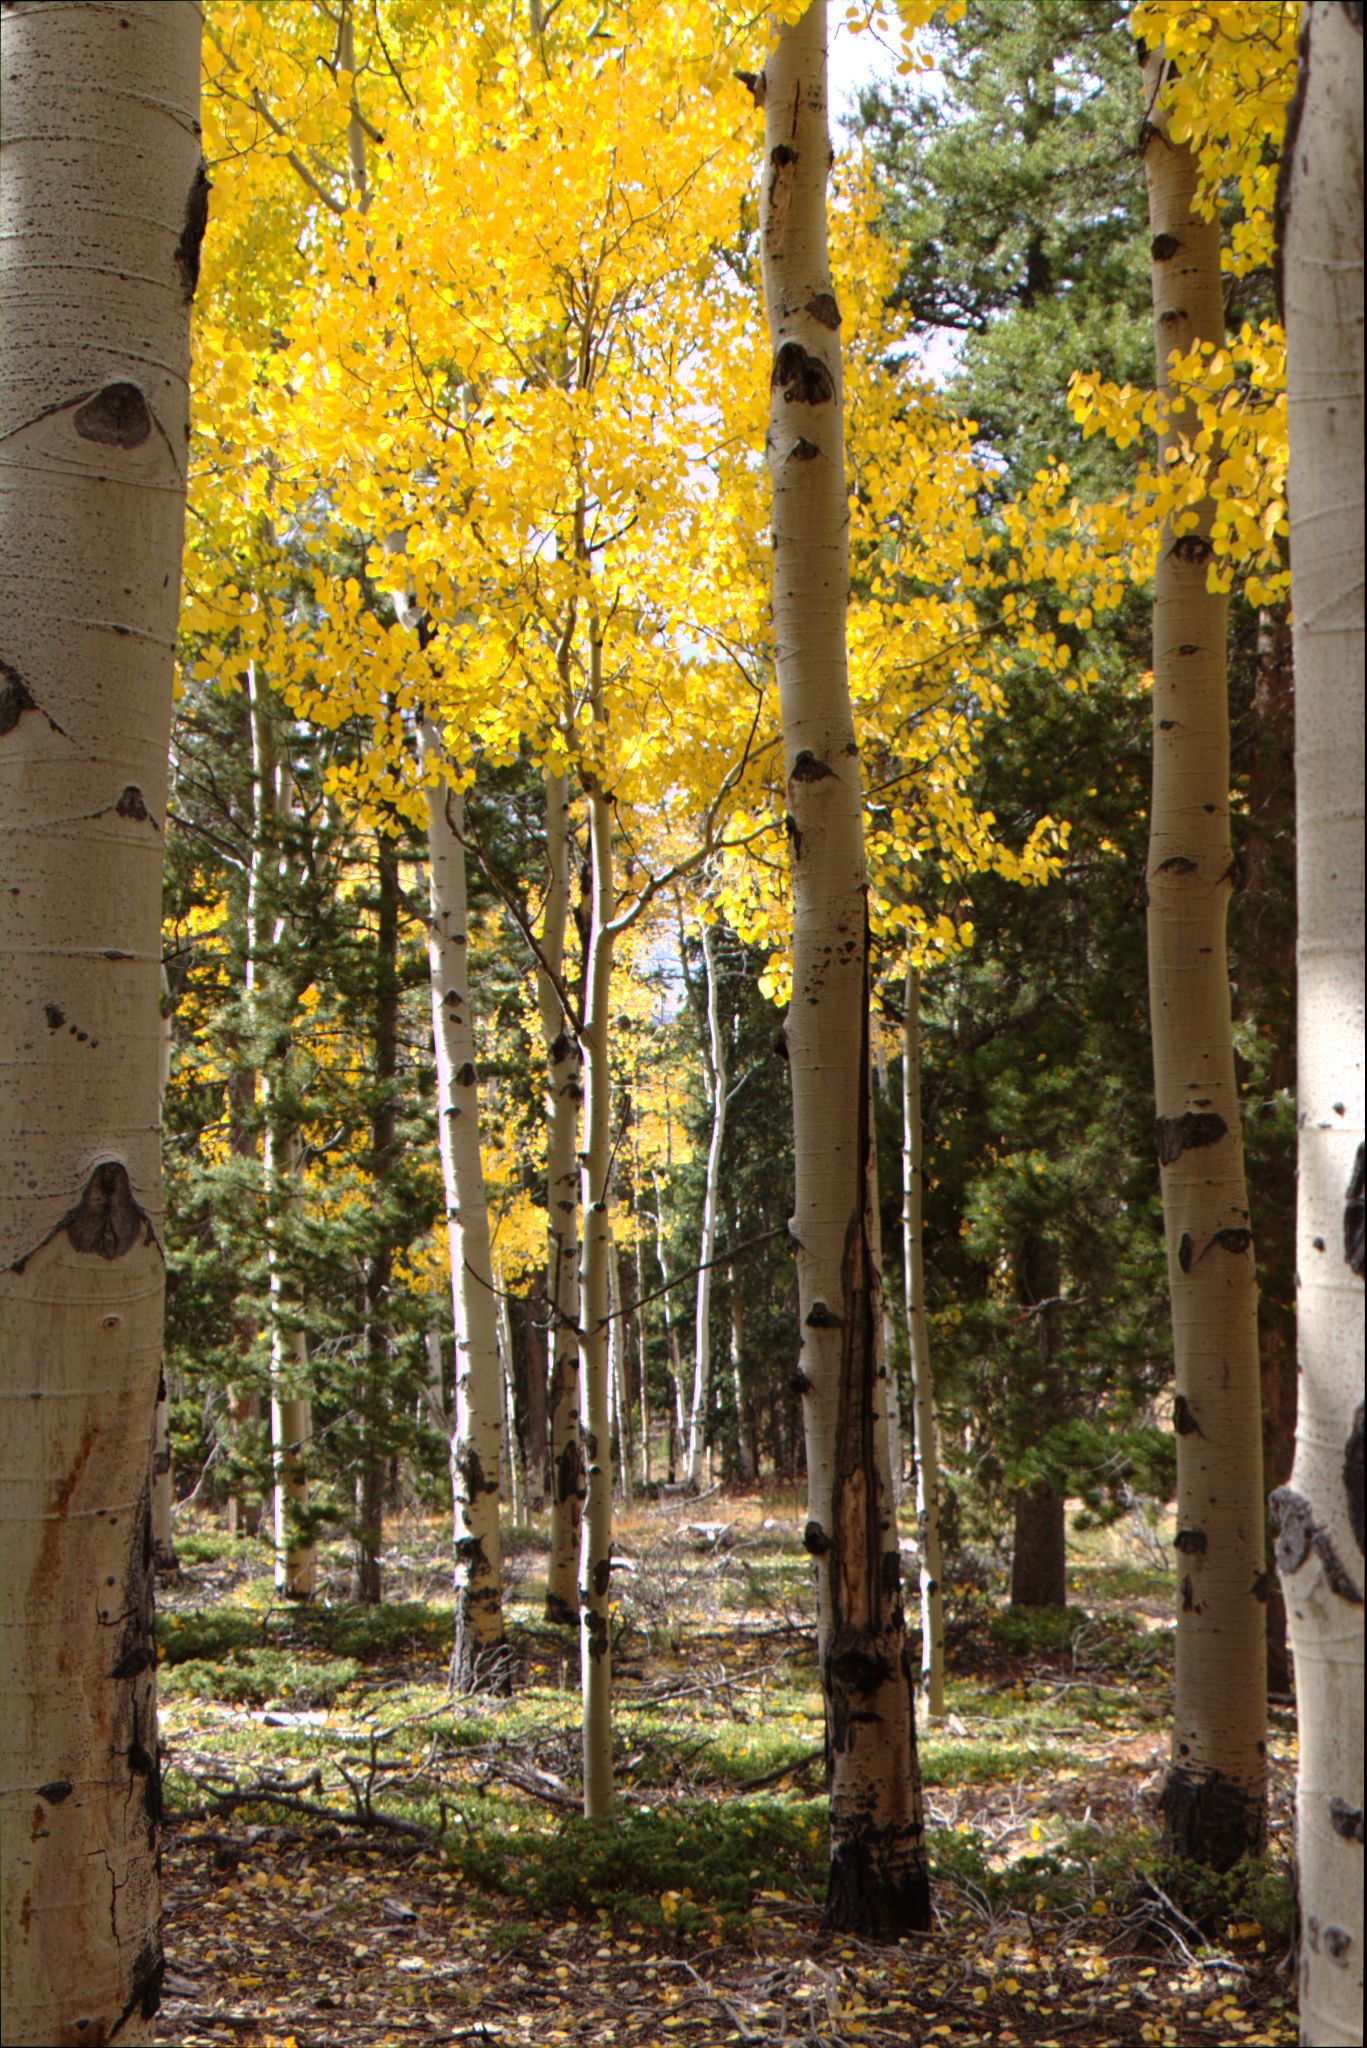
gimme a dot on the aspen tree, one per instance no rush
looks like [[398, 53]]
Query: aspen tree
[[925, 1462], [291, 1415], [879, 1884], [1319, 1514], [104, 206], [478, 1378], [564, 1092], [718, 1080], [1215, 1796]]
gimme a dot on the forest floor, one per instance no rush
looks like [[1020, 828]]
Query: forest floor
[[352, 1857]]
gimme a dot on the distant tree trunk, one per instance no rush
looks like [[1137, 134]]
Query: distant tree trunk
[[564, 1093], [533, 1387], [514, 1465], [1320, 1513], [1039, 1561], [100, 218], [619, 1369], [1266, 974], [641, 1342], [745, 1458], [925, 1455], [281, 1153], [879, 1884], [1215, 1797], [370, 1489], [242, 1402], [478, 1398], [677, 1432], [718, 1081], [595, 1551]]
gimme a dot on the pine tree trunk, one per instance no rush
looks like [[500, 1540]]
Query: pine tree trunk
[[925, 1455], [879, 1884], [1215, 1797], [478, 1380], [595, 1550], [702, 1336], [102, 210], [564, 1093], [1320, 1513]]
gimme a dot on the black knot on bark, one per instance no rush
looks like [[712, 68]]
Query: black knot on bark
[[1176, 864], [107, 1221], [819, 1317], [822, 307], [1352, 1477], [466, 1076], [1183, 1421], [1236, 1241], [1186, 1133], [803, 451], [781, 157], [133, 804], [802, 377], [117, 417], [815, 1540], [15, 697], [807, 768], [1162, 247], [1345, 1820], [1185, 1254], [192, 233], [1191, 1542], [1192, 547]]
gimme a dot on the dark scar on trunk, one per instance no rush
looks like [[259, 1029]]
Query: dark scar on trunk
[[116, 417], [107, 1221], [1179, 1134], [192, 234], [802, 377], [1353, 1477]]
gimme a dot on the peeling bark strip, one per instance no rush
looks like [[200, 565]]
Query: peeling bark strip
[[117, 417]]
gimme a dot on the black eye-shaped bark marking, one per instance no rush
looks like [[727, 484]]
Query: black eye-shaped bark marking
[[1179, 1134], [824, 309], [802, 377], [117, 417], [1162, 247], [807, 768], [1192, 547]]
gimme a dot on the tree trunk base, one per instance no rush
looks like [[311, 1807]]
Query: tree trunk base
[[1208, 1819], [879, 1886], [1039, 1562]]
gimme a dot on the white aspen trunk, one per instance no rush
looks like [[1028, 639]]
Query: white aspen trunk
[[879, 1884], [512, 1453], [925, 1457], [702, 1336], [595, 1550], [478, 1382], [1215, 1796], [618, 1369], [291, 1421], [101, 214], [888, 1423], [641, 1336], [1319, 1514], [564, 1092], [675, 1366]]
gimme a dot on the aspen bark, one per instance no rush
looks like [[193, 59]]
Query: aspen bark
[[478, 1380], [101, 215], [1215, 1796], [879, 1883], [702, 1334], [925, 1456], [372, 1477], [564, 1093], [619, 1370], [1319, 1514], [290, 1412], [595, 1546]]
